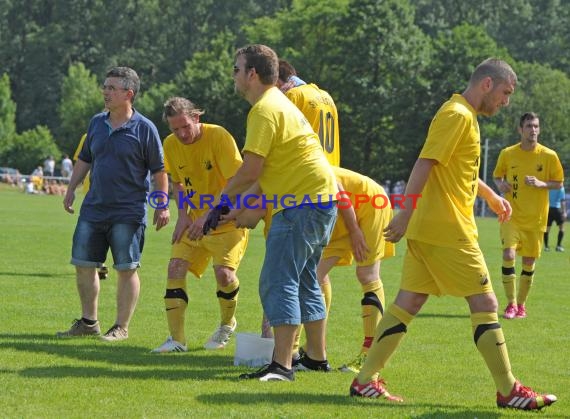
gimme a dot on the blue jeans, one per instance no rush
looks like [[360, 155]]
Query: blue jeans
[[91, 241], [288, 285]]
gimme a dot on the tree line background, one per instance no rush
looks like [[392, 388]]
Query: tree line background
[[388, 64]]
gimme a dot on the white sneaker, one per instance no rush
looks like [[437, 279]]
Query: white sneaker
[[170, 345], [221, 337]]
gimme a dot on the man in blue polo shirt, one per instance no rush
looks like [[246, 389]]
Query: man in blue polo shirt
[[121, 150]]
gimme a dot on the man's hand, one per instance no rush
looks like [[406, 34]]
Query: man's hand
[[182, 224], [501, 207], [533, 181], [161, 217], [196, 228], [214, 217], [68, 200], [359, 247], [398, 226]]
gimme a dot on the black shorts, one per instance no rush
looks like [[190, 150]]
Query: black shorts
[[554, 214]]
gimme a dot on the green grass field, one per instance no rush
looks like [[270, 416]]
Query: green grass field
[[437, 369]]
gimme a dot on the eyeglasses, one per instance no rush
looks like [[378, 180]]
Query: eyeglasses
[[237, 69], [111, 88]]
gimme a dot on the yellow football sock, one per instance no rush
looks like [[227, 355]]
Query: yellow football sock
[[389, 334], [176, 301], [525, 282], [372, 305], [509, 277], [227, 298], [490, 342]]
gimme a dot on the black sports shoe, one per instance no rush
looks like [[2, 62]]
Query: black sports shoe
[[308, 364], [270, 372]]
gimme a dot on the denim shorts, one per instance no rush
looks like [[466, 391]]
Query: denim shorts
[[288, 285], [91, 241]]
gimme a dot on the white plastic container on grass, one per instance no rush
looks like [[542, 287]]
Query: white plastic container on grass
[[252, 350]]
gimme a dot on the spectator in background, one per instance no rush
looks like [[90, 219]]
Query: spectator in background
[[54, 187], [556, 212], [37, 178], [30, 188], [387, 187], [38, 171], [66, 166], [12, 178], [398, 189], [49, 166]]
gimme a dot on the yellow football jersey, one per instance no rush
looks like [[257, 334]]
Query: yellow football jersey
[[373, 212], [444, 214], [86, 182], [295, 167], [319, 109], [359, 188], [530, 204], [79, 147], [204, 167]]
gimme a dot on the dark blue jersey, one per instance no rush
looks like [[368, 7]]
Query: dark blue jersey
[[121, 163]]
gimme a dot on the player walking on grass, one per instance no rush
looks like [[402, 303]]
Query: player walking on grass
[[525, 172], [121, 149], [200, 159], [283, 157], [443, 255]]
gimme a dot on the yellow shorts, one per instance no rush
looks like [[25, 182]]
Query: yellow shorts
[[226, 249], [437, 270], [526, 243], [372, 226]]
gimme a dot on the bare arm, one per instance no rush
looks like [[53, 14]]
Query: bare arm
[[183, 222], [550, 184], [359, 246], [161, 214], [418, 178], [246, 176], [498, 204], [79, 172], [250, 211]]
